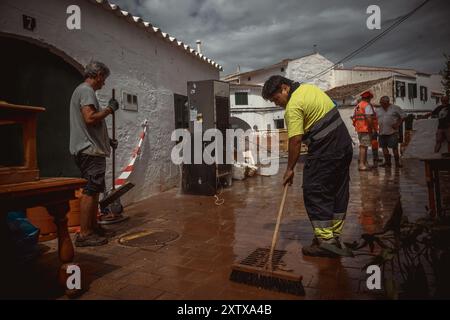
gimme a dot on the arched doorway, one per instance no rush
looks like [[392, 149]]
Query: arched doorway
[[34, 75], [237, 123]]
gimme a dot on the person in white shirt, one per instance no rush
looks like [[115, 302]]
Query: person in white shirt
[[390, 118]]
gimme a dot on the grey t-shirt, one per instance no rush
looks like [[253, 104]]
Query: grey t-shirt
[[387, 118], [91, 139]]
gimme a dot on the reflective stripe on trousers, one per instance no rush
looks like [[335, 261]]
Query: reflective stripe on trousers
[[330, 228]]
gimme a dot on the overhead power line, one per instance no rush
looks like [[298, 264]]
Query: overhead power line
[[395, 24]]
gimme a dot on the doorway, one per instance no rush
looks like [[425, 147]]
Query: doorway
[[33, 75]]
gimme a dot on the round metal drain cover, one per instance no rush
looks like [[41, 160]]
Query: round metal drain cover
[[149, 238]]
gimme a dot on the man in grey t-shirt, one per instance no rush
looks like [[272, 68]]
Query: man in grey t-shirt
[[90, 145], [390, 117]]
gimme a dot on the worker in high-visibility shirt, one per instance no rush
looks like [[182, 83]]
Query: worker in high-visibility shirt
[[363, 122], [312, 118]]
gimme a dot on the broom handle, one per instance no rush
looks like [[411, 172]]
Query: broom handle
[[277, 227], [113, 150]]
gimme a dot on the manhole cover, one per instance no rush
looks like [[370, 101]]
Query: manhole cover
[[259, 257], [149, 238]]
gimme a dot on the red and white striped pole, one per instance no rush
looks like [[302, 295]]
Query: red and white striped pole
[[126, 172]]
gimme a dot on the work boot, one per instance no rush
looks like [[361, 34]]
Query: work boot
[[91, 240], [337, 247], [102, 232], [346, 251], [315, 250]]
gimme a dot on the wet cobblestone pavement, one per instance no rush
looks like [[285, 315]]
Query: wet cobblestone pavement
[[197, 264]]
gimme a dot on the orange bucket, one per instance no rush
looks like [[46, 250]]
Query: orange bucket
[[41, 219], [74, 213]]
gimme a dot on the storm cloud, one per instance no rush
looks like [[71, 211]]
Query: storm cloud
[[257, 33]]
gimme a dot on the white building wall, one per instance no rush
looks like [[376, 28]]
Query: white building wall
[[303, 68], [405, 102], [436, 83], [430, 103], [262, 76], [254, 117], [298, 70], [416, 103], [433, 83], [255, 99], [343, 76], [141, 63]]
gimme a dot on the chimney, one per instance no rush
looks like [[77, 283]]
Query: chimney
[[238, 70], [315, 48], [199, 46]]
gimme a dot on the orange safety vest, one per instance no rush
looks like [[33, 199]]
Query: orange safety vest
[[360, 120]]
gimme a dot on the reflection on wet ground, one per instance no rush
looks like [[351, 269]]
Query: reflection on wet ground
[[197, 264]]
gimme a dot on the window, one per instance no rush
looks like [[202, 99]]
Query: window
[[423, 93], [279, 123], [241, 98], [282, 69], [255, 127], [130, 101], [181, 111], [269, 127], [249, 78], [399, 89], [412, 90]]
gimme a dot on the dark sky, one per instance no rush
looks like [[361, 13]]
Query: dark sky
[[257, 33]]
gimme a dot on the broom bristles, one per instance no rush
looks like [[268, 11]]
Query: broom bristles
[[268, 282], [115, 194]]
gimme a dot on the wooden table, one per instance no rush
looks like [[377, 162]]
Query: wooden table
[[432, 168], [26, 117], [52, 193]]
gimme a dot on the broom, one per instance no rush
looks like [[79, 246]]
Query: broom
[[115, 194], [266, 277]]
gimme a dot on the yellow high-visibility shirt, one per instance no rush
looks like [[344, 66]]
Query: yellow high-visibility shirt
[[307, 105]]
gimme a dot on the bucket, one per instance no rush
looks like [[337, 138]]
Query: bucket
[[41, 219], [74, 212]]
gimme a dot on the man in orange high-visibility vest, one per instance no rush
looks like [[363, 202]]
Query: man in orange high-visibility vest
[[363, 122]]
